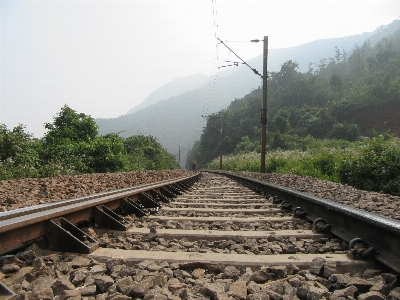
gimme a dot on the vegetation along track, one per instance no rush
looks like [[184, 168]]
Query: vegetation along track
[[217, 237]]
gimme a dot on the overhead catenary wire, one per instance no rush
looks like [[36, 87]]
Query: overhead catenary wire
[[213, 78], [215, 15], [210, 91], [214, 75], [245, 63]]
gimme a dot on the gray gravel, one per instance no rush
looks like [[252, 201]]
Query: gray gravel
[[382, 204], [32, 275], [33, 191], [269, 245]]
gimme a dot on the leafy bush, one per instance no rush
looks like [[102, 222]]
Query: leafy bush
[[71, 146], [68, 124], [376, 167], [146, 153], [240, 162], [246, 145], [349, 132], [18, 153], [371, 164], [106, 154], [323, 163]]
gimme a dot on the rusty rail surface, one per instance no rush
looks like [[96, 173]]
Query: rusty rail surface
[[379, 236], [21, 225]]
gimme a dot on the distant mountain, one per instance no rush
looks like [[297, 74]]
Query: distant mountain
[[177, 120], [173, 88]]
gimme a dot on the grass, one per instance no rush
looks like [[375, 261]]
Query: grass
[[369, 164], [323, 163]]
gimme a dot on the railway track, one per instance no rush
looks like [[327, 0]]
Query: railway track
[[214, 238]]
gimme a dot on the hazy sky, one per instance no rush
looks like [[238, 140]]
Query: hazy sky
[[104, 57]]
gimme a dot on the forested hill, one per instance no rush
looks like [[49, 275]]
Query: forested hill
[[177, 121], [341, 97]]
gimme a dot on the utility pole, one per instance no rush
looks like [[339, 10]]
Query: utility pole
[[264, 101], [220, 148], [179, 154], [264, 107]]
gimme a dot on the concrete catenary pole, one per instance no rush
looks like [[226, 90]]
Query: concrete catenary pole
[[264, 107], [220, 149]]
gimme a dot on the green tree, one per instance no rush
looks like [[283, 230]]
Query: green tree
[[245, 145], [14, 142], [71, 142], [336, 82], [281, 121], [288, 73], [106, 154], [358, 63], [377, 166], [68, 124], [323, 62], [19, 153], [349, 132], [146, 153]]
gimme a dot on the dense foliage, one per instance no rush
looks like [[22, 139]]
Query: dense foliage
[[71, 145], [19, 153], [375, 166], [369, 164], [146, 153], [314, 157], [344, 97]]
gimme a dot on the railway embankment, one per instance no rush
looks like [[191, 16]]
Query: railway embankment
[[218, 240]]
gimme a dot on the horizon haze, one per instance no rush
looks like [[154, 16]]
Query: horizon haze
[[103, 58]]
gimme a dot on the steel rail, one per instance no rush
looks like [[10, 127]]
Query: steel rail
[[21, 225], [347, 223]]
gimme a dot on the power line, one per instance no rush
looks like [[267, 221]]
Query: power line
[[214, 75], [215, 15]]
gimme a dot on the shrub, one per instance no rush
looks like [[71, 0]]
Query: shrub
[[376, 167], [19, 156], [323, 163], [349, 132]]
